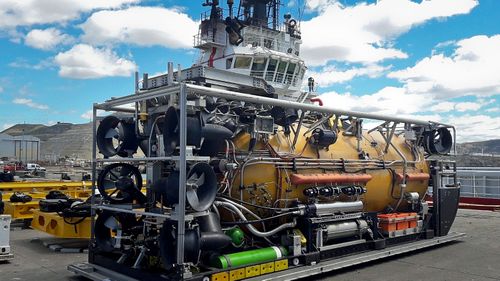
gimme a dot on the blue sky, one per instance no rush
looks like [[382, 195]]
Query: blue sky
[[434, 59]]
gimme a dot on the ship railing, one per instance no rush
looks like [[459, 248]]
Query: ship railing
[[257, 73], [289, 78], [480, 183], [206, 15], [278, 78], [207, 39]]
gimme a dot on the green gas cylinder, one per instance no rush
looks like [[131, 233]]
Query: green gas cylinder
[[249, 257]]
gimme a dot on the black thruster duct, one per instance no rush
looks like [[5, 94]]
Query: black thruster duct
[[171, 130], [121, 183], [213, 135], [438, 141], [108, 222], [284, 117], [116, 136], [168, 244], [207, 237], [323, 138], [201, 187], [212, 236]]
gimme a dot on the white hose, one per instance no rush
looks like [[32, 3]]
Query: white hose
[[253, 230]]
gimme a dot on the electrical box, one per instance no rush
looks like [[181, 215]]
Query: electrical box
[[5, 234]]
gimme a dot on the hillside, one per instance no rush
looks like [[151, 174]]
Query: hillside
[[59, 140], [482, 147]]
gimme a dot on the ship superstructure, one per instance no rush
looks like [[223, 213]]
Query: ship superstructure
[[251, 44]]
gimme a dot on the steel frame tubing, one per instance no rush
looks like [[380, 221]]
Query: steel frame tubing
[[182, 89]]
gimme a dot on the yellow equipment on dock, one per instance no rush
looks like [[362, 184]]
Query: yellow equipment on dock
[[20, 210], [60, 227], [38, 190], [43, 186]]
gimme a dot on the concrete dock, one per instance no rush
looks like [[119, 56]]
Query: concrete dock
[[476, 257]]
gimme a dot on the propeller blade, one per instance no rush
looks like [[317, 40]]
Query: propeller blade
[[111, 133], [112, 223], [126, 171], [201, 180], [195, 180], [113, 175], [108, 184], [121, 132], [192, 198], [119, 147]]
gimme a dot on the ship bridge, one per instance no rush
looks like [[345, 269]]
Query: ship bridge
[[251, 47]]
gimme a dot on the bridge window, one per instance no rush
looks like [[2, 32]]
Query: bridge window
[[289, 73], [280, 72], [258, 67], [229, 63], [268, 43], [298, 75], [242, 62], [271, 68]]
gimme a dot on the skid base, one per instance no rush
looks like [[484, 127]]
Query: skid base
[[99, 273]]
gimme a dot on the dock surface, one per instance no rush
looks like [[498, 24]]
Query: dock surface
[[476, 257]]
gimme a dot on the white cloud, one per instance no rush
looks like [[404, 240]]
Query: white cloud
[[23, 63], [389, 100], [393, 101], [444, 106], [448, 106], [312, 5], [330, 75], [467, 106], [46, 39], [143, 26], [473, 69], [86, 62], [396, 102], [364, 32], [1, 89], [29, 12], [493, 109], [475, 127], [30, 103], [87, 115]]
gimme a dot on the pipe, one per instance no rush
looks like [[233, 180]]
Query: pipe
[[413, 177], [329, 178], [250, 227], [403, 182], [320, 102], [345, 229], [323, 209]]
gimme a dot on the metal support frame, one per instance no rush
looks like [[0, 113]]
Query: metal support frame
[[232, 95], [182, 178], [183, 89]]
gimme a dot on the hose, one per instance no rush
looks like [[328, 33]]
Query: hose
[[257, 221], [250, 227], [257, 206]]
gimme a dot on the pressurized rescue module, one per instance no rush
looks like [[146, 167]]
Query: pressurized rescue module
[[247, 176]]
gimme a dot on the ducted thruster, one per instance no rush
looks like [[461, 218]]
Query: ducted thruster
[[117, 136]]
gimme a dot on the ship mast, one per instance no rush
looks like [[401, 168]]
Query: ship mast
[[258, 12]]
